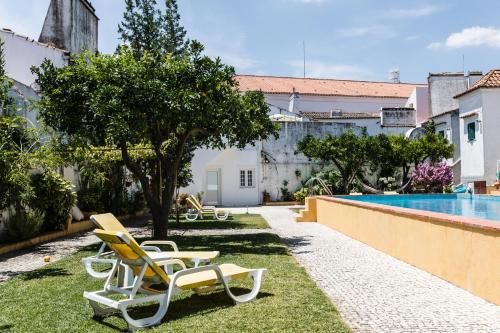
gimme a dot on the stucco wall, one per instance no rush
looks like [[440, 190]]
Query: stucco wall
[[21, 53], [472, 153], [442, 89], [491, 133], [458, 252], [308, 103]]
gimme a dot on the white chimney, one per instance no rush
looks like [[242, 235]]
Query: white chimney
[[293, 105]]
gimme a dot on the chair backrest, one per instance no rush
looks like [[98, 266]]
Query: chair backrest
[[109, 222], [132, 255], [196, 205]]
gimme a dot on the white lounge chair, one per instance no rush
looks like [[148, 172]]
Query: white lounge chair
[[199, 210], [149, 277], [109, 222]]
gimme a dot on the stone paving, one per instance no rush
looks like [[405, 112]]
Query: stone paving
[[372, 291], [375, 292]]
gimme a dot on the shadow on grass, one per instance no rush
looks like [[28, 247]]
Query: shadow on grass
[[44, 273], [261, 244], [195, 305], [5, 328]]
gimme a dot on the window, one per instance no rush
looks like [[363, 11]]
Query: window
[[246, 178], [441, 134], [471, 131]]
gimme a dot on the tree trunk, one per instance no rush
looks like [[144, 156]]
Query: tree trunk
[[160, 224]]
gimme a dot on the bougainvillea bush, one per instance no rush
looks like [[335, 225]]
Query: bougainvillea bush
[[432, 177]]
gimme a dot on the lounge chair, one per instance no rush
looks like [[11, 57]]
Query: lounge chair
[[199, 210], [153, 284], [109, 222]]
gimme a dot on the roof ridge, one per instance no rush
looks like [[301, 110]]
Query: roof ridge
[[328, 79]]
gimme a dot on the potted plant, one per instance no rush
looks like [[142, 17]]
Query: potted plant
[[266, 197]]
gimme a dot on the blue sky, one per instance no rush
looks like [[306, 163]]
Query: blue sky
[[348, 39]]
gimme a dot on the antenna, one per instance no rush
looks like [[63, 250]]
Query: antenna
[[394, 75], [463, 63], [304, 48]]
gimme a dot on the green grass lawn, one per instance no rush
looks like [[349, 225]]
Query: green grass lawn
[[50, 299], [237, 221]]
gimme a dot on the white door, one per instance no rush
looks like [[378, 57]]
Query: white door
[[213, 187]]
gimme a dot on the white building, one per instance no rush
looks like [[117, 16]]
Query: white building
[[479, 135], [303, 106], [444, 109]]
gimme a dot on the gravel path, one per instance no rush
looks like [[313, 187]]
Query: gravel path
[[375, 292]]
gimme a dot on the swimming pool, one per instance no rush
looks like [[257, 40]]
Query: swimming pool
[[482, 206]]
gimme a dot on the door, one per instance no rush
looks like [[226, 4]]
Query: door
[[213, 187]]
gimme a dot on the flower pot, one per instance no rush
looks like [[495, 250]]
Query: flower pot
[[497, 184]]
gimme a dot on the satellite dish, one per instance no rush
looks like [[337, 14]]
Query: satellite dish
[[415, 133]]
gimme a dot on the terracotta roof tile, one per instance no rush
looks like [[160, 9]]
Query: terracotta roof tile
[[325, 87], [490, 80]]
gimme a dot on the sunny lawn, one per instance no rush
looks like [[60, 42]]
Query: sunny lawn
[[50, 299], [237, 221]]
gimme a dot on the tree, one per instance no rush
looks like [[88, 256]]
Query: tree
[[176, 42], [7, 103], [349, 153], [146, 28], [172, 106]]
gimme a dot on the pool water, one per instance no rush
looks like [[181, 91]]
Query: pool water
[[485, 207]]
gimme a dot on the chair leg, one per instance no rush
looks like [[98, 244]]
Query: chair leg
[[257, 282], [135, 324]]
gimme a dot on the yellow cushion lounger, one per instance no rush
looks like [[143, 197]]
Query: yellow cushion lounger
[[199, 210], [109, 222], [149, 276]]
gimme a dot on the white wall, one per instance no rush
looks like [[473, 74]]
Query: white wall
[[229, 162], [472, 153], [22, 52], [419, 100], [329, 103], [491, 132]]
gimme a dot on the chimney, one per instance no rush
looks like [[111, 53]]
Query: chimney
[[293, 105], [473, 77], [71, 25]]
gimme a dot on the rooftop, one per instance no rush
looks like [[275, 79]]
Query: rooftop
[[326, 87], [490, 80], [31, 40]]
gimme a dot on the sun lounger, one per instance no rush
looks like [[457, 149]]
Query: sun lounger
[[152, 284], [199, 210]]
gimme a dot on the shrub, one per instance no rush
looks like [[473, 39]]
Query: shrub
[[432, 178], [24, 225], [285, 193], [301, 195], [55, 197]]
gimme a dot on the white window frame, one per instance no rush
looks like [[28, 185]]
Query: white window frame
[[244, 177]]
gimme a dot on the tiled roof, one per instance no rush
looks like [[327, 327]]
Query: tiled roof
[[325, 87], [490, 80], [341, 115]]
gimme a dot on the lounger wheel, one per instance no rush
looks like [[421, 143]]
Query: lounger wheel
[[191, 215], [221, 215]]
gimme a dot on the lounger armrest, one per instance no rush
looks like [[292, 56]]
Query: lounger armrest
[[171, 262], [150, 248], [160, 242]]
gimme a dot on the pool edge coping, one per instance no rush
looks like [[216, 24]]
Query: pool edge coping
[[424, 215]]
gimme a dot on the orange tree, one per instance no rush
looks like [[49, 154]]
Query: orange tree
[[172, 105]]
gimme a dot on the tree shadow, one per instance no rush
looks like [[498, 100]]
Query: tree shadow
[[44, 273], [296, 242], [5, 328]]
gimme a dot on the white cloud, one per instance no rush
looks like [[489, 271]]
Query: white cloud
[[405, 13], [320, 69], [471, 37], [381, 31]]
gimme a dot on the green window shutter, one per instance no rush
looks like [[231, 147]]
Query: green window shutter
[[471, 131]]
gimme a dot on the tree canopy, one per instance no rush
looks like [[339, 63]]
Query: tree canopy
[[145, 28], [353, 155], [172, 106]]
